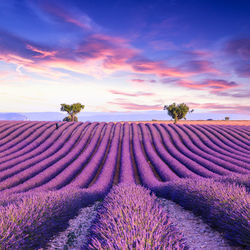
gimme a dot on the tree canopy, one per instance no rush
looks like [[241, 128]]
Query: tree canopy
[[177, 112], [72, 110]]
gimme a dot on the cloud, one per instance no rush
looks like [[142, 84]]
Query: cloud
[[162, 45], [222, 107], [198, 66], [134, 106], [66, 14], [142, 80], [239, 51], [141, 64], [237, 94], [14, 45], [137, 80], [239, 47], [95, 54], [169, 80], [41, 53], [194, 53], [243, 69], [135, 94], [213, 85]]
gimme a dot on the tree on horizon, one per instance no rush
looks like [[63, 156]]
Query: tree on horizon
[[72, 110], [177, 112]]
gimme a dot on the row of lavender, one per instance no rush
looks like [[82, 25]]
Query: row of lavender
[[129, 217], [37, 156]]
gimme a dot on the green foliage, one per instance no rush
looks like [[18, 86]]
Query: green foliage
[[177, 112], [69, 119], [72, 110], [227, 118]]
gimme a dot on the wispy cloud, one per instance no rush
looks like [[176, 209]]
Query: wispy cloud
[[213, 85], [142, 80], [239, 47], [199, 66], [222, 107], [239, 51], [237, 94], [159, 68], [41, 53], [135, 94], [135, 106], [66, 14]]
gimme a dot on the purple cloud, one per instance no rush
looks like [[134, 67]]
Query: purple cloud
[[239, 47], [222, 107], [243, 70], [238, 94], [198, 66], [65, 14], [239, 51]]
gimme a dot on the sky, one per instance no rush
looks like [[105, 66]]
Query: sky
[[125, 55]]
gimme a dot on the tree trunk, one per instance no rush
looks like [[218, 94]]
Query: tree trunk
[[175, 119]]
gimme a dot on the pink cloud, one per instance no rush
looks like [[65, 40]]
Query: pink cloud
[[136, 94], [134, 106], [222, 107], [213, 85], [141, 81], [137, 80], [159, 68], [42, 53]]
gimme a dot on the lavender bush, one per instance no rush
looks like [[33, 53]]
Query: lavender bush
[[239, 179], [131, 218], [30, 221], [126, 173], [224, 205]]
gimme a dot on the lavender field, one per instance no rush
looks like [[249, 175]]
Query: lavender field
[[48, 174]]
